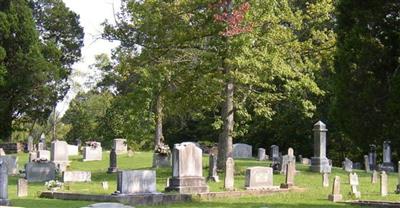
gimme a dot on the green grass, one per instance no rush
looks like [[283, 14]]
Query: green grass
[[313, 196]]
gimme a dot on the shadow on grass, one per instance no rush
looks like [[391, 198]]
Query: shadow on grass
[[48, 203]]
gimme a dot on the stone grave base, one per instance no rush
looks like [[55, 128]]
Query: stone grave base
[[387, 167], [266, 188], [286, 186], [320, 165], [335, 197], [364, 203], [187, 185]]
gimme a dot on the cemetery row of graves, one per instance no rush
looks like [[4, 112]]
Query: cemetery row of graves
[[54, 174]]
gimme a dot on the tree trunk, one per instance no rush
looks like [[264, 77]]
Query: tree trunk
[[225, 138], [5, 125], [158, 136]]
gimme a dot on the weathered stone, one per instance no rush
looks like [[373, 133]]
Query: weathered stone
[[366, 164], [30, 146], [372, 156], [113, 162], [136, 182], [4, 201], [77, 176], [387, 164], [229, 174], [374, 176], [325, 179], [274, 152], [11, 162], [353, 179], [2, 153], [259, 178], [261, 154], [131, 153], [161, 160], [335, 196], [212, 168], [306, 161], [59, 153], [398, 178], [108, 205], [32, 156], [40, 172], [92, 152], [104, 185], [242, 151], [22, 187], [384, 184], [320, 163], [290, 174], [187, 169], [121, 146], [44, 154], [73, 150], [284, 160], [347, 165]]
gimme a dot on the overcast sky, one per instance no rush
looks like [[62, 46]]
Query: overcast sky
[[92, 13]]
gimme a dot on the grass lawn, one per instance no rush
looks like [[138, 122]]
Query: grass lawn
[[314, 195]]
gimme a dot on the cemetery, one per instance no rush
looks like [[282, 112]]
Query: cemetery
[[208, 103]]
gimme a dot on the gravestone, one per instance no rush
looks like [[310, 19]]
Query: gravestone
[[113, 162], [42, 143], [274, 152], [387, 164], [384, 184], [320, 163], [347, 165], [335, 196], [22, 187], [284, 160], [366, 164], [290, 174], [242, 151], [357, 166], [187, 169], [11, 163], [2, 153], [325, 179], [30, 147], [398, 178], [59, 152], [76, 176], [3, 185], [212, 168], [104, 185], [32, 156], [136, 182], [261, 154], [44, 154], [306, 161], [229, 174], [354, 183], [78, 142], [121, 146], [374, 176], [161, 160], [73, 150], [259, 178], [372, 156], [40, 171], [92, 151]]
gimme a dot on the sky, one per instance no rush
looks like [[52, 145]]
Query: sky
[[92, 13]]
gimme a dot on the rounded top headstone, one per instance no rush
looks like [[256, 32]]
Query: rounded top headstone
[[290, 151], [320, 126]]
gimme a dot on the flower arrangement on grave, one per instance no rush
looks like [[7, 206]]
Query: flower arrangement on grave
[[92, 144], [163, 149], [54, 185]]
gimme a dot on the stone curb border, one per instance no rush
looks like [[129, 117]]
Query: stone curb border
[[373, 203]]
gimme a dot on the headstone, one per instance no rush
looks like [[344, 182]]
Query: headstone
[[387, 164], [121, 146], [259, 178], [30, 144], [136, 182], [92, 151], [300, 158], [77, 176], [261, 154], [44, 154], [284, 160], [325, 179], [212, 168], [357, 166], [40, 171], [104, 185], [22, 187], [42, 143], [354, 183], [73, 150], [347, 165], [131, 153], [274, 152], [306, 161], [11, 163], [335, 196], [229, 174], [398, 178], [59, 152], [366, 164], [374, 176], [320, 163], [242, 151], [161, 160], [384, 184], [2, 153], [187, 169], [372, 156], [3, 185], [290, 174], [113, 162], [32, 156]]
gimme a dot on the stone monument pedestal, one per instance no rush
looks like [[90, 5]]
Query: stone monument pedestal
[[320, 165], [387, 167], [335, 197], [187, 185]]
